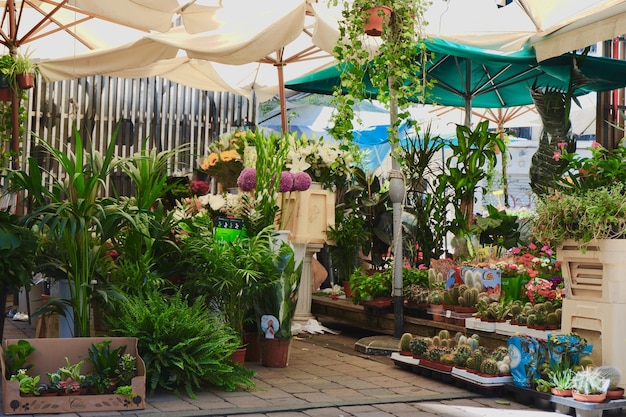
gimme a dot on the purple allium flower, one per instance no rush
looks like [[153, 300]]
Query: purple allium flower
[[247, 179], [301, 181], [286, 181]]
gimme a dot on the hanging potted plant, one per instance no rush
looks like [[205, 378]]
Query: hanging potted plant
[[23, 71], [393, 67]]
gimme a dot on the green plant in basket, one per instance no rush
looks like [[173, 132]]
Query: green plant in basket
[[367, 286]]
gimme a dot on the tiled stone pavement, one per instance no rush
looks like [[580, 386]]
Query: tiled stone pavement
[[326, 377]]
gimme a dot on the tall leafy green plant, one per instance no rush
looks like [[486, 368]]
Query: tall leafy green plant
[[74, 211], [281, 297], [472, 151], [271, 154], [427, 196]]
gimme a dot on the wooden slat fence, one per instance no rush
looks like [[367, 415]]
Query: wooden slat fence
[[160, 113]]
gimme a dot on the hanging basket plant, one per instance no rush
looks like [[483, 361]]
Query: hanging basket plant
[[376, 18]]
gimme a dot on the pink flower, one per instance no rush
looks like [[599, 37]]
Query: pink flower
[[286, 182], [301, 181], [561, 145], [532, 246], [199, 187], [247, 179], [595, 144], [556, 156]]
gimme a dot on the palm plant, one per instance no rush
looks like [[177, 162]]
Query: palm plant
[[73, 211], [231, 275]]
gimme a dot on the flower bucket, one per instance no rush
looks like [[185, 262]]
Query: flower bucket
[[275, 353]]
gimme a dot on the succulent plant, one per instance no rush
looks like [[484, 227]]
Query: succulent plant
[[436, 341], [489, 367], [461, 354], [447, 359], [531, 320], [477, 357], [473, 343], [499, 353], [444, 334], [419, 346], [469, 298], [553, 319], [434, 353], [611, 373], [435, 297], [405, 342], [452, 343], [588, 381]]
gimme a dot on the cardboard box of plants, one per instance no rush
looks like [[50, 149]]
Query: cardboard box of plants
[[49, 355]]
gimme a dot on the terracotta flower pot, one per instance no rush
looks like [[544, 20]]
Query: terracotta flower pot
[[589, 398], [615, 393], [25, 81], [561, 392], [373, 24]]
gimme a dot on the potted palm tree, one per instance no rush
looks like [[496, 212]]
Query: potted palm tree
[[74, 212], [230, 275]]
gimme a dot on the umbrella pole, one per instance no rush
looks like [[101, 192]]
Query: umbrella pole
[[281, 94]]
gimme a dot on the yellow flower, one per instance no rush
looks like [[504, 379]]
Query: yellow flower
[[229, 155]]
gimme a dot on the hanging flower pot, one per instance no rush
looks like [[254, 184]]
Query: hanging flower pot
[[25, 81], [376, 16]]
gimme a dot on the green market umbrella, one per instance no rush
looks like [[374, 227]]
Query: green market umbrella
[[468, 77]]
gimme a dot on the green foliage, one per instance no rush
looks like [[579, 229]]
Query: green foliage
[[126, 391], [561, 378], [466, 169], [271, 153], [366, 286], [582, 216], [16, 357], [280, 298], [28, 384], [73, 212], [104, 361], [394, 70], [181, 342], [18, 246], [426, 194], [230, 275], [348, 234], [498, 229]]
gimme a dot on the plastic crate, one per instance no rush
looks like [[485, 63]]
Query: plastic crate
[[601, 324], [596, 274]]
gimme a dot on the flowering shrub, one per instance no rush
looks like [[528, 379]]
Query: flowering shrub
[[531, 261], [325, 162], [602, 168], [539, 290]]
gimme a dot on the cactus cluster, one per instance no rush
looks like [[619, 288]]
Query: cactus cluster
[[469, 298], [419, 346], [489, 367], [611, 373]]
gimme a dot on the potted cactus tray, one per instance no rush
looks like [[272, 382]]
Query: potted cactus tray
[[480, 379]]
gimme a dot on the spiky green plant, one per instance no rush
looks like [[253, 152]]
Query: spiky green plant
[[75, 212]]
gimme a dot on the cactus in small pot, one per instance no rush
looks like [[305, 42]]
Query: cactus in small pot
[[419, 346], [588, 381], [405, 342], [461, 354], [553, 320], [489, 367], [444, 334], [612, 374]]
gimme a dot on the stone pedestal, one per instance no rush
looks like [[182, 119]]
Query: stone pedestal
[[305, 291]]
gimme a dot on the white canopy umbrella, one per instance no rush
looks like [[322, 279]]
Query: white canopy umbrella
[[250, 36]]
